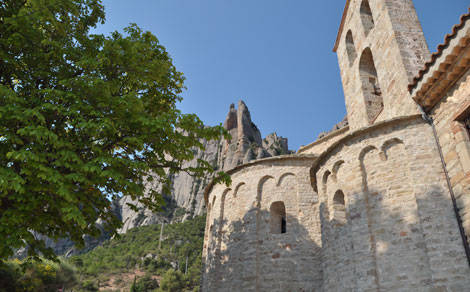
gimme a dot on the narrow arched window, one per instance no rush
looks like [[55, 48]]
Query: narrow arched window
[[326, 175], [339, 207], [278, 218], [370, 86], [366, 17], [350, 48]]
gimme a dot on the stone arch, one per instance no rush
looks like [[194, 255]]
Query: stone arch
[[366, 17], [237, 188], [313, 180], [373, 99], [368, 206], [366, 150], [326, 175], [220, 226], [282, 177], [336, 168], [224, 194], [389, 144], [362, 155], [208, 219], [211, 216], [350, 48], [260, 189], [222, 209]]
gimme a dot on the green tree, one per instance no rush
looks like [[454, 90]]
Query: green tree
[[172, 281], [144, 284], [84, 118]]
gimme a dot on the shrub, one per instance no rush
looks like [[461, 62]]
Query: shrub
[[172, 281]]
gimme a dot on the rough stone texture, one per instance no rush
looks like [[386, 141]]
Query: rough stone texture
[[241, 254], [455, 142], [188, 192], [319, 146], [370, 208], [443, 91], [244, 146], [341, 125], [398, 50], [401, 232]]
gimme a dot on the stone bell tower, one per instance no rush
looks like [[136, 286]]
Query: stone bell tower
[[380, 47]]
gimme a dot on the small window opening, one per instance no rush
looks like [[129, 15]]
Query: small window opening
[[350, 48], [278, 218], [283, 224], [339, 208], [370, 86], [366, 17]]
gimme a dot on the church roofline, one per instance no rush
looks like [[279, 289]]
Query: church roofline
[[209, 187], [323, 139], [445, 53], [362, 131], [341, 26]]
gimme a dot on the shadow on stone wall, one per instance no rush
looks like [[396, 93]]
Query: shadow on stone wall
[[393, 238], [242, 257], [392, 242]]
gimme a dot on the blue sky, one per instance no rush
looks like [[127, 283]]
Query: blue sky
[[276, 55]]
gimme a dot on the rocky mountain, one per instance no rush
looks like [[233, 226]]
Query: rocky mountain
[[246, 144], [187, 198]]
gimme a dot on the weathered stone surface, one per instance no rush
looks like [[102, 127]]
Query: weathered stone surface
[[388, 57], [244, 146], [187, 197], [370, 209], [454, 137], [393, 229], [344, 123]]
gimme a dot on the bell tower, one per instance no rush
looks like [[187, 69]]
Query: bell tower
[[380, 48]]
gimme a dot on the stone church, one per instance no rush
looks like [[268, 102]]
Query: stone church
[[382, 203]]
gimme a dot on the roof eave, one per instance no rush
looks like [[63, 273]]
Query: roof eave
[[341, 26], [436, 73]]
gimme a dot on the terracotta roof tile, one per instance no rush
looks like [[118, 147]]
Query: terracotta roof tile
[[341, 26], [440, 49]]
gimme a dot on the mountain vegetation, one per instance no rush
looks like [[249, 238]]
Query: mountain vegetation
[[135, 261]]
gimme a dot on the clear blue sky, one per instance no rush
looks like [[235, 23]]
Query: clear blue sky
[[276, 55]]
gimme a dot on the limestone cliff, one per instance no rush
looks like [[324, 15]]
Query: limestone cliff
[[187, 199], [245, 145]]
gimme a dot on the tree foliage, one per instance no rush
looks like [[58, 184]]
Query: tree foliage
[[84, 118], [36, 276], [176, 262]]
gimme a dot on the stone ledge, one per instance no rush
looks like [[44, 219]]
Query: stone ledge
[[321, 140], [260, 162], [363, 131]]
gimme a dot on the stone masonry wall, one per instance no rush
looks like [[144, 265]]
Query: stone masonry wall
[[455, 142], [398, 48], [319, 146], [400, 230], [370, 208], [241, 253]]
